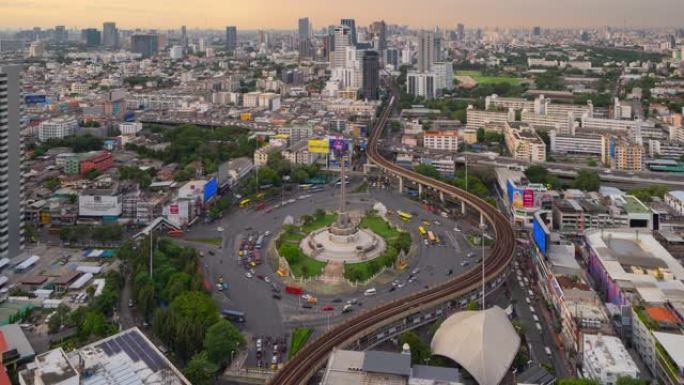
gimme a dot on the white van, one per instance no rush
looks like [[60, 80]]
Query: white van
[[548, 351], [370, 292]]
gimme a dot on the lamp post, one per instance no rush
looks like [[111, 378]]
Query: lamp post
[[482, 227]]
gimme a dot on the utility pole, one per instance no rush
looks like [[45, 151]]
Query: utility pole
[[482, 227]]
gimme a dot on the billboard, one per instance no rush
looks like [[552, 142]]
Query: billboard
[[339, 144], [319, 146], [528, 198], [35, 99], [539, 234], [99, 206], [210, 189], [515, 195]]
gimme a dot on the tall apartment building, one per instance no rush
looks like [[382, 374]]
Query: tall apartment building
[[231, 39], [622, 154], [426, 50], [11, 177], [421, 84], [523, 142], [304, 34], [342, 41], [351, 24], [91, 37]]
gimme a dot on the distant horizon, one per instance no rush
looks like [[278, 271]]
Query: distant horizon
[[252, 15]]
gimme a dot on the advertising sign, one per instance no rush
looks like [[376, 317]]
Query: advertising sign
[[528, 198], [173, 209], [339, 144], [319, 146], [210, 189], [35, 99]]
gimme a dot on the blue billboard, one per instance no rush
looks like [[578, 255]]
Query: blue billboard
[[31, 99], [540, 235], [210, 189], [339, 144]]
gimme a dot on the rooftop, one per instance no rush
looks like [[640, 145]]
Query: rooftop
[[52, 367], [608, 353]]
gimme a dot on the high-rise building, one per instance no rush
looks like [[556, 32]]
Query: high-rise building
[[351, 24], [426, 48], [379, 34], [304, 29], [60, 35], [437, 53], [371, 75], [11, 177], [536, 31], [184, 39], [342, 41], [146, 44], [460, 30], [110, 35], [231, 39], [91, 37]]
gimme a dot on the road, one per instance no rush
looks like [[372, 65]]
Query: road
[[275, 318]]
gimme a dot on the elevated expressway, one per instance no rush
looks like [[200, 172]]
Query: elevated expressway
[[431, 302]]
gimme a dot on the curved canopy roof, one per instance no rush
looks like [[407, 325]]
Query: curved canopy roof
[[482, 342]]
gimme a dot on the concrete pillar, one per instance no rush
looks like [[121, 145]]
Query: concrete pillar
[[463, 207], [420, 190], [441, 196], [401, 185], [481, 220]]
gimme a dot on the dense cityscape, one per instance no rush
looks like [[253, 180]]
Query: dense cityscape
[[354, 203]]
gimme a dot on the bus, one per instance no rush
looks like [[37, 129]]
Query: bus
[[233, 315], [421, 231], [404, 216], [245, 203], [431, 236], [259, 242]]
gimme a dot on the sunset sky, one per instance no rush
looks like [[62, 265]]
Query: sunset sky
[[283, 14]]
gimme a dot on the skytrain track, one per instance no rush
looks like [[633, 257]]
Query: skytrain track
[[302, 367]]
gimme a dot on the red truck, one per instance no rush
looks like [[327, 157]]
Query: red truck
[[292, 289]]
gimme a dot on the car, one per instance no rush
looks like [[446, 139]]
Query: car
[[219, 229], [306, 296], [267, 233], [267, 279], [259, 276], [248, 228], [130, 302], [465, 263], [276, 296], [347, 308], [307, 306], [400, 285], [393, 288], [415, 271], [352, 301], [336, 300], [328, 308], [211, 253], [456, 229], [411, 279], [249, 275], [219, 287], [259, 344], [426, 242]]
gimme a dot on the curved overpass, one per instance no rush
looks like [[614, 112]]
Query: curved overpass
[[300, 369]]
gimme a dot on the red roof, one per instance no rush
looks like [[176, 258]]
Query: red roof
[[3, 344], [661, 314]]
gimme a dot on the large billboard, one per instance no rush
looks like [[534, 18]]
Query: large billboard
[[540, 235], [35, 99], [528, 198], [99, 206], [210, 189], [319, 146], [339, 144]]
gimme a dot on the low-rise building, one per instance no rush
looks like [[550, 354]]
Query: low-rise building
[[100, 162], [441, 140], [523, 142], [57, 128], [605, 359]]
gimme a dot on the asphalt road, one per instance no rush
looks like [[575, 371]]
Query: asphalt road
[[275, 318]]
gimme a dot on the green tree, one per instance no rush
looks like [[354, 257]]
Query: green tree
[[587, 180], [646, 194], [420, 351], [200, 370], [319, 213], [480, 135], [592, 163], [577, 381], [222, 341], [427, 170], [537, 173], [630, 381], [472, 306]]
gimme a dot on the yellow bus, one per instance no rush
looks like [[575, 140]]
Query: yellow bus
[[431, 236], [404, 216], [421, 231], [245, 202]]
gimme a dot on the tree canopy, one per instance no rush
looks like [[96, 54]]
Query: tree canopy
[[587, 180]]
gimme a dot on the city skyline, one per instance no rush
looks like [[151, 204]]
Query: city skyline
[[258, 14]]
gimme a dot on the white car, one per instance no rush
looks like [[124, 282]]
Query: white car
[[456, 229], [249, 275], [219, 229], [267, 233], [267, 279]]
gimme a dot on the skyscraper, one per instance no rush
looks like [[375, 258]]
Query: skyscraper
[[371, 75], [460, 28], [11, 178], [304, 39], [231, 39], [426, 47], [184, 39], [110, 35], [60, 34], [342, 41], [146, 44], [379, 34], [351, 24], [91, 37]]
